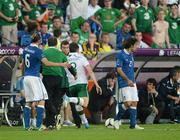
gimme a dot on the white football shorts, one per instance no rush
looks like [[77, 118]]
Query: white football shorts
[[34, 89], [128, 94]]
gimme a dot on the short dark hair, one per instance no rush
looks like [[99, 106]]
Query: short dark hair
[[43, 23], [174, 4], [31, 27], [73, 47], [129, 42], [76, 33], [65, 42], [174, 70], [104, 33], [52, 41], [111, 75], [56, 17], [152, 80]]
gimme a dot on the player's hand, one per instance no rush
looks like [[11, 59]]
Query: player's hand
[[130, 83], [98, 90], [9, 19]]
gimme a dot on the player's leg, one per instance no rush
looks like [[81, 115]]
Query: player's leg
[[123, 106], [133, 108], [79, 100], [27, 115]]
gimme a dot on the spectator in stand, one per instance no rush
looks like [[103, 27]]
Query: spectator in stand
[[36, 14], [153, 3], [123, 34], [143, 21], [45, 35], [78, 8], [149, 100], [91, 48], [168, 89], [54, 11], [75, 39], [108, 18], [162, 6], [105, 102], [77, 13], [9, 16], [169, 2], [56, 24], [138, 36], [58, 11], [83, 32], [174, 27], [105, 45], [92, 8], [160, 32], [23, 6]]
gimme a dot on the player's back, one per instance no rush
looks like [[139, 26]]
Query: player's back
[[79, 62], [32, 56]]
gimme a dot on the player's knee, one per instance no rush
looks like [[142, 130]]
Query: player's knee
[[127, 104], [86, 101]]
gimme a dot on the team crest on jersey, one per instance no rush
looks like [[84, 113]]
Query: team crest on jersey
[[108, 17], [58, 11]]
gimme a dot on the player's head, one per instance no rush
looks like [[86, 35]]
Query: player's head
[[31, 27], [151, 83], [52, 42], [74, 47], [174, 73], [36, 38], [75, 37], [131, 44], [65, 47]]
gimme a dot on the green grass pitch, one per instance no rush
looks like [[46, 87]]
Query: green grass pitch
[[95, 132]]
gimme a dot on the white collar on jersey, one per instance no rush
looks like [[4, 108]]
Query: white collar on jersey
[[33, 44], [126, 51]]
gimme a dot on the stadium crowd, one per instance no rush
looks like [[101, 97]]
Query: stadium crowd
[[93, 27]]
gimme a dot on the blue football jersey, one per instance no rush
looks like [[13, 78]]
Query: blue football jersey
[[32, 56], [125, 61]]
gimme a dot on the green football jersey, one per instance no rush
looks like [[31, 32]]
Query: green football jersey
[[76, 23], [54, 55], [174, 29], [83, 36], [144, 18], [108, 18], [35, 12], [8, 8]]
